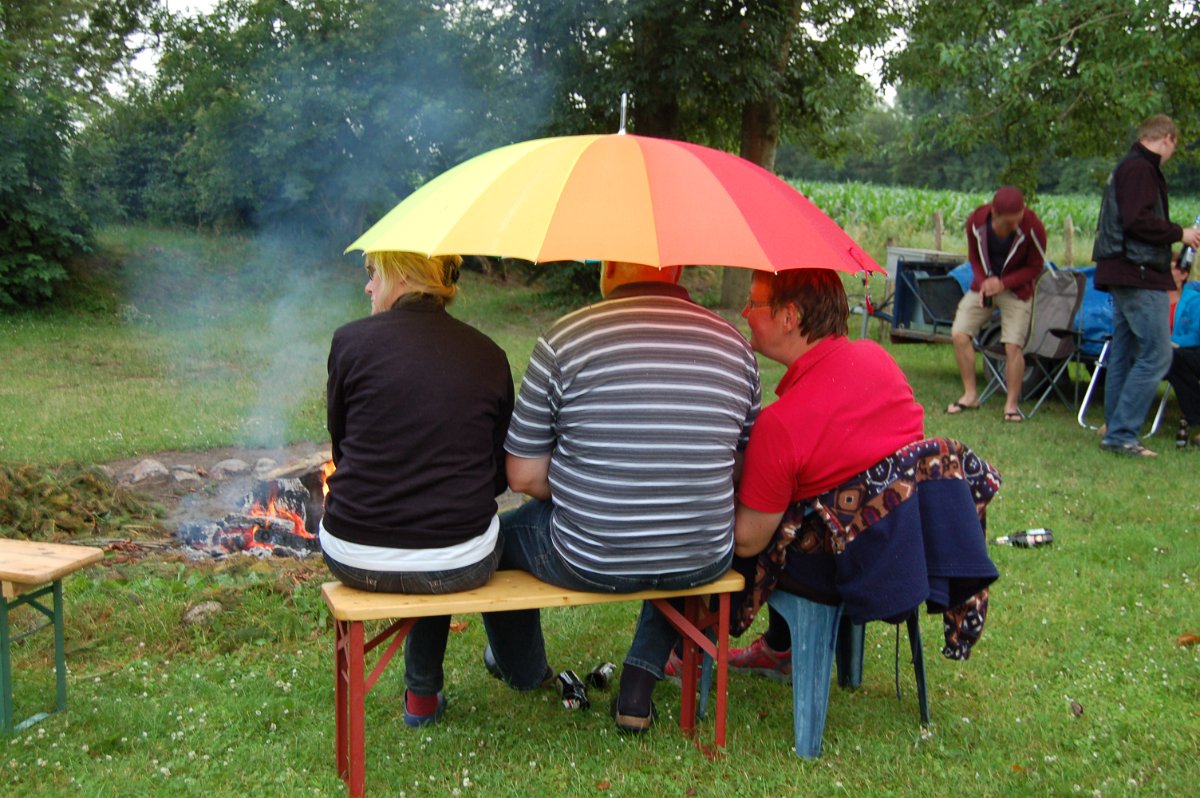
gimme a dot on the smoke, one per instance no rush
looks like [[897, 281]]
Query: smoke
[[299, 321], [240, 331]]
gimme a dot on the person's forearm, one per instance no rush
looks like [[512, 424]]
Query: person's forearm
[[529, 475]]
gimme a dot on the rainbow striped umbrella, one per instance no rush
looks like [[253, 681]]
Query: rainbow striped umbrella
[[617, 197]]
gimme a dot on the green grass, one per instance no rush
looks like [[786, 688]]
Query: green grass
[[243, 704]]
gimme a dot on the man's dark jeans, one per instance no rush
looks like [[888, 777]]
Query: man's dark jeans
[[516, 637]]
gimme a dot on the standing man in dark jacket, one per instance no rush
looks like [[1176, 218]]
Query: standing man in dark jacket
[[1133, 263], [1006, 245]]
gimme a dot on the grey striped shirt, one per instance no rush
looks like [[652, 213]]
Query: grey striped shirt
[[643, 401]]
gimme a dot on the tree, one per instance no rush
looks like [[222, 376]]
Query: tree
[[310, 116], [1045, 81], [55, 56]]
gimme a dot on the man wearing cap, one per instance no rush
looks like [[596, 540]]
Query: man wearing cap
[[1133, 263], [1006, 243]]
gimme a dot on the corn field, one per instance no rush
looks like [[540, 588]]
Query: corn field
[[864, 203], [882, 216]]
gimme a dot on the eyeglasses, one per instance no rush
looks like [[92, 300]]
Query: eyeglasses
[[751, 304]]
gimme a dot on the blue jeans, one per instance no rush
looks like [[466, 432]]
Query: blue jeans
[[1138, 359], [516, 637], [425, 646]]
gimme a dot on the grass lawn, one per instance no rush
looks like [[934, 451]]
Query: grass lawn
[[198, 343]]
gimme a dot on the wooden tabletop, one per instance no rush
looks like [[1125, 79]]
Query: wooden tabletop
[[28, 563], [508, 590]]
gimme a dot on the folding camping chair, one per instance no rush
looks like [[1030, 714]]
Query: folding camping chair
[[925, 305], [1097, 370], [1051, 343]]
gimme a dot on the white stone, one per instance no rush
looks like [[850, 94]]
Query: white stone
[[147, 469], [230, 468], [201, 613], [182, 474]]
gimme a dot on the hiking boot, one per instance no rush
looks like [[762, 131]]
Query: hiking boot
[[760, 658]]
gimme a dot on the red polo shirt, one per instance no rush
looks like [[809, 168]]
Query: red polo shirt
[[843, 406]]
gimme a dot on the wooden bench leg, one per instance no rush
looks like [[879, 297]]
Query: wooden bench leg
[[687, 695], [341, 689], [356, 721], [60, 650], [54, 618], [350, 691], [722, 666], [6, 695], [691, 625]]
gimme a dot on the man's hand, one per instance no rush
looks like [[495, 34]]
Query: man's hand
[[991, 286], [1191, 237]]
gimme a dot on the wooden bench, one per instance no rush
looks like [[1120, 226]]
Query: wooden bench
[[28, 571], [508, 590]]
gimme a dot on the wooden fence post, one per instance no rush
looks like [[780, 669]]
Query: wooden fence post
[[937, 230], [1069, 241]]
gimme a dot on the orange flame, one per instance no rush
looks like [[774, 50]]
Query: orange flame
[[272, 510], [326, 471]]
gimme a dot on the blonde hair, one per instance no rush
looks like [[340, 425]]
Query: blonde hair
[[1157, 127], [436, 276]]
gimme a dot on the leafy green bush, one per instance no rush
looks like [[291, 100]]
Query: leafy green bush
[[40, 227]]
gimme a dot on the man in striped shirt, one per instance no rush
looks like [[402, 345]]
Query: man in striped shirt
[[629, 425]]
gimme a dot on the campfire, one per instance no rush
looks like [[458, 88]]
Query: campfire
[[275, 514]]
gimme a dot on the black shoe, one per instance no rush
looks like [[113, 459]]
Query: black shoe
[[493, 667], [1181, 436], [489, 662]]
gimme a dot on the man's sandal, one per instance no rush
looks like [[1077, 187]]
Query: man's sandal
[[1128, 449], [957, 407], [1013, 416]]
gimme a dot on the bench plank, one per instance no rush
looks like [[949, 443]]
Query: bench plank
[[508, 590], [29, 571], [25, 564]]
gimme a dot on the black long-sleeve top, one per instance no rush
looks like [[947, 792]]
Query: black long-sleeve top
[[418, 408]]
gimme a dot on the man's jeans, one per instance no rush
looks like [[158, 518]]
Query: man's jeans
[[425, 646], [1138, 359], [516, 637]]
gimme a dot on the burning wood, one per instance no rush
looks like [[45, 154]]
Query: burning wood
[[279, 515]]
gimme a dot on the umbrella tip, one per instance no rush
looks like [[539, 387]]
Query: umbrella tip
[[624, 105]]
